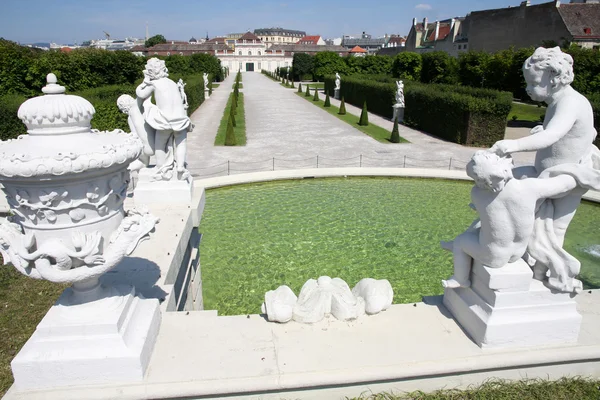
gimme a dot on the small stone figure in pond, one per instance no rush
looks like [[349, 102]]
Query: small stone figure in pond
[[337, 81], [506, 208], [400, 93], [168, 117], [133, 108], [563, 145]]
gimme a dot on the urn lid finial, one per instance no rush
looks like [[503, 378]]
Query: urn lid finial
[[56, 113]]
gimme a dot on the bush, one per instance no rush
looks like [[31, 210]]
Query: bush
[[327, 101], [473, 68], [307, 94], [395, 138], [230, 135], [439, 67], [299, 87], [328, 63], [342, 110], [364, 116], [316, 96], [475, 117], [10, 125], [595, 101], [407, 65], [302, 66], [356, 89]]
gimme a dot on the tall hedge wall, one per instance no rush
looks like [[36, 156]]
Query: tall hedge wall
[[104, 99], [460, 114]]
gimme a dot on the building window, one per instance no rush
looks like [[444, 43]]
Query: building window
[[240, 66], [249, 53], [259, 53], [240, 53], [259, 66]]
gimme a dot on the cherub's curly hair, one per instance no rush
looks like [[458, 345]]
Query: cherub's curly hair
[[560, 64], [485, 165], [156, 68]]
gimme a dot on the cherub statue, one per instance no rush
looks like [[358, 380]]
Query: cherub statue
[[205, 77], [133, 108], [168, 117], [506, 208], [337, 81], [400, 93], [563, 145]]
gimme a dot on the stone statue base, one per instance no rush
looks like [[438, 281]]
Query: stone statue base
[[149, 192], [398, 112], [505, 307], [206, 94], [336, 94], [107, 339]]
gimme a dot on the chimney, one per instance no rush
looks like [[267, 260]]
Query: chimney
[[557, 3], [425, 23], [452, 23], [437, 31], [414, 21]]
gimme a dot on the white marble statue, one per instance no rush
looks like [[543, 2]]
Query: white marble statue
[[134, 109], [567, 164], [168, 117], [205, 77], [506, 208], [337, 81], [400, 94], [325, 296]]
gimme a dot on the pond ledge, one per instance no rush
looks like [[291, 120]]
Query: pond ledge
[[408, 347]]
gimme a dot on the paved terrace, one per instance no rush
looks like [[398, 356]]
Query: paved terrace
[[284, 126]]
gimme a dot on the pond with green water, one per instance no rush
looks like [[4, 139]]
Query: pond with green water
[[260, 236]]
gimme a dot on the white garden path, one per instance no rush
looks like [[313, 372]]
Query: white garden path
[[283, 126]]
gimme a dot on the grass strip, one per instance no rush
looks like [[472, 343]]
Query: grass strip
[[239, 87], [376, 132], [215, 85], [496, 389], [23, 304], [526, 112], [240, 119]]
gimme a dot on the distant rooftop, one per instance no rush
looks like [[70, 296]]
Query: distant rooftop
[[276, 31]]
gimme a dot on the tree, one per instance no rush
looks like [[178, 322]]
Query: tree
[[302, 65], [154, 40], [407, 65], [230, 135], [364, 116], [328, 63], [473, 67], [327, 101], [342, 107], [376, 65], [439, 67], [395, 138]]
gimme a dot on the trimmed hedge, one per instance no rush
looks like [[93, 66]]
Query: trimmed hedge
[[595, 101], [460, 114], [104, 99]]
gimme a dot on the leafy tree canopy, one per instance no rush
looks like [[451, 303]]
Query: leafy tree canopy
[[154, 40]]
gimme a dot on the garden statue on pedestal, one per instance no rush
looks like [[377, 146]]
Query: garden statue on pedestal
[[168, 117], [206, 89], [399, 106], [524, 214], [336, 93]]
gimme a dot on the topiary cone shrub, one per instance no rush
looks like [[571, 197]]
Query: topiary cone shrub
[[364, 116], [327, 101], [342, 107], [316, 96], [209, 88], [299, 87], [230, 135], [232, 111], [307, 94], [395, 138]]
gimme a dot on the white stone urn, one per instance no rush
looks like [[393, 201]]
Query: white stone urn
[[65, 184]]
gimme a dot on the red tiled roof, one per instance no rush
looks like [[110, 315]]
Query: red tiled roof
[[358, 49], [217, 40], [582, 20], [66, 49], [249, 36], [310, 40], [444, 31]]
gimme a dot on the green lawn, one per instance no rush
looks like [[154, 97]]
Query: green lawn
[[318, 85], [526, 112], [23, 303], [215, 85], [537, 389], [376, 132], [240, 119], [240, 87]]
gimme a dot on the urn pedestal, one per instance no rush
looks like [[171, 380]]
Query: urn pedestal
[[66, 184], [336, 94], [506, 307], [150, 191]]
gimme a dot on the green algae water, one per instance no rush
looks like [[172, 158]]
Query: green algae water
[[260, 236]]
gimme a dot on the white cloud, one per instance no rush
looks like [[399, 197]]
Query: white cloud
[[423, 7]]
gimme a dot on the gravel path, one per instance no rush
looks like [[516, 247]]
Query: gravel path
[[287, 131]]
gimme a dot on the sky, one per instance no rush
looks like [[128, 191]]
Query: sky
[[74, 21]]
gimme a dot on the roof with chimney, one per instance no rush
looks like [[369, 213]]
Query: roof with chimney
[[187, 47], [310, 39], [581, 19], [249, 36], [305, 48]]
